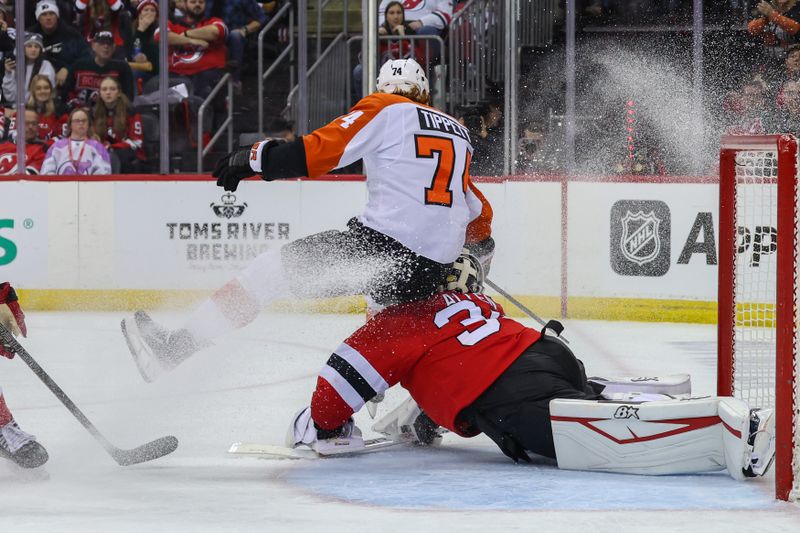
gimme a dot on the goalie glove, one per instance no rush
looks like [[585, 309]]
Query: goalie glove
[[11, 316], [407, 423], [303, 431]]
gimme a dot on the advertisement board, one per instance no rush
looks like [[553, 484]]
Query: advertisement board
[[24, 229]]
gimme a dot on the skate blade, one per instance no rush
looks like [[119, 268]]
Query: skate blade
[[142, 355]]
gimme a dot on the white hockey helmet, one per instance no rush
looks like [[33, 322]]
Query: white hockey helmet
[[466, 274], [402, 74]]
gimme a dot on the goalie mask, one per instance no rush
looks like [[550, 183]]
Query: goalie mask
[[466, 275], [402, 75]]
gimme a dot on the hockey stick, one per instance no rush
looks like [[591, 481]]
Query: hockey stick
[[145, 452], [268, 451], [520, 305]]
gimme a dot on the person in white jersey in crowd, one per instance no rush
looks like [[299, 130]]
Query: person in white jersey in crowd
[[79, 153], [421, 210]]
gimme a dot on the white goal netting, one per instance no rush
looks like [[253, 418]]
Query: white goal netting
[[756, 360]]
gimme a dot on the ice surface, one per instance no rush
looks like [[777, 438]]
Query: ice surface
[[247, 387]]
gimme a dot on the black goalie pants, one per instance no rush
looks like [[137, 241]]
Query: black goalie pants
[[515, 410], [359, 261]]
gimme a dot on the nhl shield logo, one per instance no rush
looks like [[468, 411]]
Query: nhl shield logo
[[640, 241], [228, 208], [639, 234]]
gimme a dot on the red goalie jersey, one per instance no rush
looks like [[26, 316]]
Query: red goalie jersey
[[446, 351]]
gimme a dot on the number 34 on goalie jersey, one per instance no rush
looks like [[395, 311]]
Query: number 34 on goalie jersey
[[416, 159]]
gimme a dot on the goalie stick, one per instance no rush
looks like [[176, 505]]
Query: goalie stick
[[520, 306], [269, 451], [145, 452]]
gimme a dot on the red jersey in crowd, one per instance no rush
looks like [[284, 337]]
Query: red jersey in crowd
[[50, 128], [188, 60], [34, 157], [446, 351], [132, 139]]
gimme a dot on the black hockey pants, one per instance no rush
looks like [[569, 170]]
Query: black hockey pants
[[360, 261], [515, 410]]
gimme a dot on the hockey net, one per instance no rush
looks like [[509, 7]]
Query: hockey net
[[758, 288]]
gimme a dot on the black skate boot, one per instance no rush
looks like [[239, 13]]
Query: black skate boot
[[21, 447], [155, 349]]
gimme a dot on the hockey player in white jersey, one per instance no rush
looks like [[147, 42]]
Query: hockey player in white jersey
[[421, 209]]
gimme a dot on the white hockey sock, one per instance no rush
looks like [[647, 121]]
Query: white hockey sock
[[264, 278], [207, 322], [239, 302]]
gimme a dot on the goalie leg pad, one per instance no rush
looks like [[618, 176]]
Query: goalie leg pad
[[676, 385], [659, 437], [735, 416]]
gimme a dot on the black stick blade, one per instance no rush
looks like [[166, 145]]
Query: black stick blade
[[146, 452]]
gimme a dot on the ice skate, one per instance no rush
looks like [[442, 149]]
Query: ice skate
[[155, 349], [762, 439], [21, 447]]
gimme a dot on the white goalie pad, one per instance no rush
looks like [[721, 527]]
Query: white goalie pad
[[675, 385], [655, 438]]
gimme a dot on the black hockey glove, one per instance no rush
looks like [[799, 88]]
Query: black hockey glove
[[233, 168]]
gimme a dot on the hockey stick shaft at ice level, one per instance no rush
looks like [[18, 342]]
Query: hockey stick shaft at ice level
[[146, 452], [520, 305]]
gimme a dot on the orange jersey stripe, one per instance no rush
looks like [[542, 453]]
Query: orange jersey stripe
[[481, 227], [325, 146]]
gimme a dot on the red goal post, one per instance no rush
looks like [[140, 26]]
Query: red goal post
[[758, 288]]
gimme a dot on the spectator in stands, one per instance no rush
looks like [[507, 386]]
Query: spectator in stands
[[394, 24], [142, 49], [748, 109], [530, 146], [481, 163], [35, 150], [63, 44], [777, 25], [119, 126], [426, 17], [493, 119], [788, 119], [51, 111], [244, 18], [280, 128], [197, 47], [35, 63], [83, 82], [95, 16], [80, 153], [178, 9], [8, 36], [791, 70], [488, 161]]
